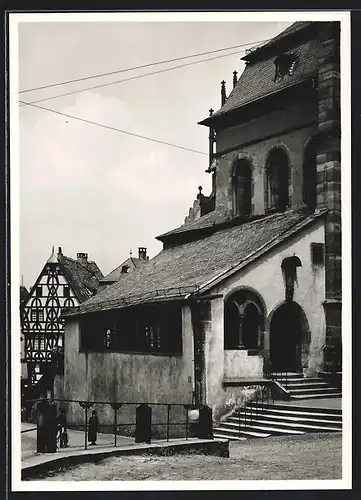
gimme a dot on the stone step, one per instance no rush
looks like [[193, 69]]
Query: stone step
[[299, 419], [220, 435], [314, 390], [271, 429], [240, 433], [299, 410], [317, 396], [263, 420], [297, 385]]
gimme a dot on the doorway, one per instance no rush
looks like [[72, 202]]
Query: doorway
[[287, 331]]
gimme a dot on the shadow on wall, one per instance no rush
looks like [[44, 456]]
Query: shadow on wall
[[232, 399]]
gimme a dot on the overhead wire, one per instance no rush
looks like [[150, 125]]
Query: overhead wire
[[132, 78], [99, 75], [108, 127]]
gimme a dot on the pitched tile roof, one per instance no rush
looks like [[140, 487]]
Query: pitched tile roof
[[182, 269], [257, 79], [131, 262], [208, 220], [82, 277], [294, 28]]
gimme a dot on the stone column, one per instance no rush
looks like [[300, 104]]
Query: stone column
[[329, 182]]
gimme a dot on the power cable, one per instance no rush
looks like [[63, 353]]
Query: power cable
[[108, 127], [131, 78], [139, 67]]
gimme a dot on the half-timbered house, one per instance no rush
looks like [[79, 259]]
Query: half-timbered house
[[63, 283]]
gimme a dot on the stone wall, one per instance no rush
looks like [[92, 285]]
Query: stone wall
[[329, 181]]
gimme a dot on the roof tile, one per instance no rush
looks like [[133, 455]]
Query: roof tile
[[180, 269]]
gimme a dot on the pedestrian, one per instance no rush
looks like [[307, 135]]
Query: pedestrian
[[93, 428], [62, 429]]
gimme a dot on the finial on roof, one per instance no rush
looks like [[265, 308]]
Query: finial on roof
[[131, 252], [52, 259], [223, 92], [234, 78], [211, 111]]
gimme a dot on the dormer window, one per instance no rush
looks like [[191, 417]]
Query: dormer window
[[125, 269], [285, 65]]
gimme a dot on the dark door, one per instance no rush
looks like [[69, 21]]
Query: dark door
[[285, 339]]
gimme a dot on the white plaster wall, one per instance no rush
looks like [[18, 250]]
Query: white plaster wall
[[126, 377], [238, 364], [265, 277]]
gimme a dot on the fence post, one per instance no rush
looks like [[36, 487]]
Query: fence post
[[205, 423], [168, 416], [186, 407], [115, 407], [86, 405], [143, 424]]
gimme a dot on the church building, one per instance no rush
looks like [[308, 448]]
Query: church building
[[250, 284]]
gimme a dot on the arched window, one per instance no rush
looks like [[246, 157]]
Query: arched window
[[309, 188], [277, 173], [242, 181], [243, 321]]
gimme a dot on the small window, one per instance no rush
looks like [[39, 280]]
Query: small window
[[39, 291], [34, 315], [125, 269], [66, 291], [317, 254], [40, 315]]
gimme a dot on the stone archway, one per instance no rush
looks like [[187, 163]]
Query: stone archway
[[289, 338]]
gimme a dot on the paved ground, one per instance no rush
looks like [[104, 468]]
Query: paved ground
[[310, 456]]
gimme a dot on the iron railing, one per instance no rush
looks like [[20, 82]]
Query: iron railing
[[118, 428], [254, 406]]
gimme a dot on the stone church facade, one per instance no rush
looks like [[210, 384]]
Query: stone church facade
[[251, 282]]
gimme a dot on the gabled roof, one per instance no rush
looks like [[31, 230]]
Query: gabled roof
[[132, 263], [188, 268], [257, 79], [82, 277]]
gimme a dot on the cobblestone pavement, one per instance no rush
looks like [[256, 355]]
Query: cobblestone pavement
[[310, 456]]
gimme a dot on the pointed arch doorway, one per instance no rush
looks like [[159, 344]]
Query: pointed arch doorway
[[289, 338]]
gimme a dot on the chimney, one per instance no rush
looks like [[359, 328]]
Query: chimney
[[82, 258], [59, 252], [142, 253], [223, 92]]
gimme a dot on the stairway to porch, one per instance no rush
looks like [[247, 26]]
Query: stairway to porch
[[259, 420], [300, 387]]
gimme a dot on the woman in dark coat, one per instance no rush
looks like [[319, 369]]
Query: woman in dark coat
[[93, 427]]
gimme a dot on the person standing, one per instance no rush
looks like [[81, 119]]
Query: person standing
[[93, 428], [62, 429]]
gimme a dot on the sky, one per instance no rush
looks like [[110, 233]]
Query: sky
[[89, 189]]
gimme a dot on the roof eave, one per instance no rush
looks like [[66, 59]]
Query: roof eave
[[217, 117]]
